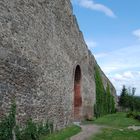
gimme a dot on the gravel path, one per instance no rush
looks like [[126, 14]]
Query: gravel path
[[87, 131], [91, 129], [133, 127]]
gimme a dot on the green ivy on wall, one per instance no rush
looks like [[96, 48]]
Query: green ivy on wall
[[104, 99], [8, 123]]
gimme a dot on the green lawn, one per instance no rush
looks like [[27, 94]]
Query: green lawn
[[117, 120], [63, 134], [116, 134], [117, 128]]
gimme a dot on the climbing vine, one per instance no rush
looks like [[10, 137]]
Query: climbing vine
[[104, 99], [7, 124]]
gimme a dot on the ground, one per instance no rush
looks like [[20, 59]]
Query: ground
[[87, 131], [114, 127], [109, 127]]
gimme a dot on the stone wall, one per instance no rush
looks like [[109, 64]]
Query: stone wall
[[40, 47]]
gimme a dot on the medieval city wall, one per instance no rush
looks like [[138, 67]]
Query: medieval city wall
[[40, 48]]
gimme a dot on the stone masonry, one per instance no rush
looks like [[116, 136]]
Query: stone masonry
[[44, 62]]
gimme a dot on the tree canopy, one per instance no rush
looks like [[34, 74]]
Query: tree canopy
[[105, 103], [128, 99]]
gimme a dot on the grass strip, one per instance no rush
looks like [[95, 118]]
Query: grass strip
[[63, 134]]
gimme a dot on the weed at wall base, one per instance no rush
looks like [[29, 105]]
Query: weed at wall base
[[32, 131]]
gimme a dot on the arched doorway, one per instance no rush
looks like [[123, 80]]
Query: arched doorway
[[77, 94]]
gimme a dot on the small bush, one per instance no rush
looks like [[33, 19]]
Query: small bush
[[18, 133], [133, 115], [137, 117], [41, 130], [7, 124], [44, 129], [31, 131], [130, 115], [5, 129]]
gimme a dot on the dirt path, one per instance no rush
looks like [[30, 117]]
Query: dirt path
[[87, 131]]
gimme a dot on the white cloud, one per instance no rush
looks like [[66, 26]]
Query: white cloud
[[121, 59], [100, 55], [124, 76], [132, 80], [122, 67], [137, 33], [91, 4], [91, 44], [128, 74]]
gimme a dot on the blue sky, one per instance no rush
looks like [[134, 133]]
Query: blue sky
[[111, 29]]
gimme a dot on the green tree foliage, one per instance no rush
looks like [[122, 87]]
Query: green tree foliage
[[100, 92], [123, 97], [110, 101], [33, 131], [128, 100], [104, 99], [136, 103], [8, 123], [30, 131]]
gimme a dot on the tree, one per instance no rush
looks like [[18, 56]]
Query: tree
[[110, 103], [133, 91], [104, 99], [123, 97], [129, 100], [132, 99], [100, 93], [108, 98]]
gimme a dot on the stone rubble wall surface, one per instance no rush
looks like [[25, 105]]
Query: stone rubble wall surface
[[40, 47]]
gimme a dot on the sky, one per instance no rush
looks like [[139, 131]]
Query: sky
[[111, 29]]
